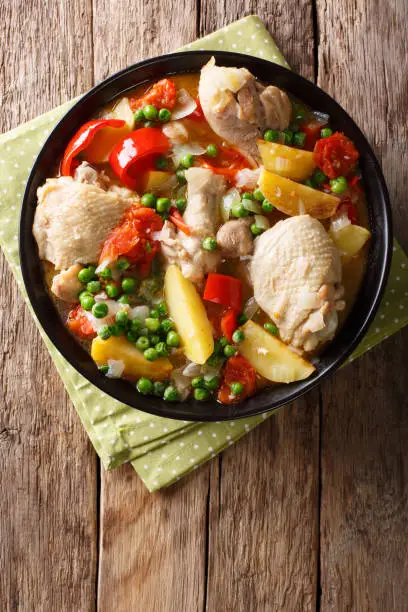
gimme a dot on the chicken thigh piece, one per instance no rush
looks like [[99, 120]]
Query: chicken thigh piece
[[73, 219], [204, 191], [239, 108], [296, 273]]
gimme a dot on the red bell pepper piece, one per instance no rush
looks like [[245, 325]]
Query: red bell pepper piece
[[198, 113], [82, 140], [312, 131], [133, 150], [229, 323], [225, 290], [348, 208], [335, 155], [237, 369], [79, 324], [176, 218]]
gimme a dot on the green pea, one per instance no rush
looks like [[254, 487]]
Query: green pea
[[154, 339], [122, 263], [339, 184], [326, 132], [299, 139], [238, 336], [100, 310], [287, 136], [112, 290], [242, 318], [106, 273], [271, 328], [256, 230], [87, 301], [319, 177], [143, 343], [162, 308], [152, 324], [104, 332], [308, 183], [173, 339], [166, 325], [258, 195], [93, 286], [230, 351], [212, 383], [267, 206], [139, 115], [181, 204], [181, 177], [161, 349], [161, 163], [164, 115], [150, 112], [223, 342], [271, 135], [144, 386], [236, 388], [187, 160], [154, 313], [209, 244], [149, 200], [131, 336], [128, 284], [171, 394], [213, 360], [212, 150], [247, 196], [197, 382], [163, 205], [135, 325], [159, 388], [149, 124], [123, 299], [122, 317], [117, 330], [150, 354], [201, 395], [238, 210], [104, 369], [86, 274]]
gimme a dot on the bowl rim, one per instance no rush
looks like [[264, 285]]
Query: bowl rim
[[180, 410]]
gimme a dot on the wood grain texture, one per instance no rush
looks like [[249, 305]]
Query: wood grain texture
[[48, 468], [364, 511]]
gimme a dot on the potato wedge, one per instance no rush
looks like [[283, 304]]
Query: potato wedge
[[188, 312], [136, 365], [294, 199], [286, 161], [272, 358], [350, 239], [157, 180]]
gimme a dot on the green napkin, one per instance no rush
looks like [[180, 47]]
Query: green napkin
[[160, 450]]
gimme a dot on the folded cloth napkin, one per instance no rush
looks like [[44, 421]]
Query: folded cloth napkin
[[160, 450]]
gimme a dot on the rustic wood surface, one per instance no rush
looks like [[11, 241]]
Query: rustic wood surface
[[309, 511]]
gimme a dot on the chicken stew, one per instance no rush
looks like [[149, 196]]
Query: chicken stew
[[204, 236]]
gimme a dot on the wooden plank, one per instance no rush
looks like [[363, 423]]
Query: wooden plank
[[152, 553], [364, 508], [48, 469], [263, 524]]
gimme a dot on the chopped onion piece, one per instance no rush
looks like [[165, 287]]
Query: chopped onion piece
[[179, 150], [322, 118], [247, 178], [176, 132], [116, 367], [339, 223], [185, 105], [251, 307], [123, 111], [228, 200], [139, 312], [192, 369], [262, 222], [252, 206]]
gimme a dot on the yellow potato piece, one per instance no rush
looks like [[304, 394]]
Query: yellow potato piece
[[286, 161], [350, 239], [136, 365], [294, 199], [189, 315], [103, 142], [156, 180], [272, 358]]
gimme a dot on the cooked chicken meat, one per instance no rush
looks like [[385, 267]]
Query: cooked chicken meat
[[204, 190], [73, 219], [234, 238], [66, 285], [296, 274], [239, 108]]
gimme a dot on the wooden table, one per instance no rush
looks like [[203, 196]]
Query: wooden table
[[308, 511]]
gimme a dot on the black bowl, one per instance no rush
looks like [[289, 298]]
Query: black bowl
[[371, 289]]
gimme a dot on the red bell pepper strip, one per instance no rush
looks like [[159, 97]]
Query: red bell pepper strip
[[229, 323], [225, 290], [198, 113], [176, 218], [347, 207], [82, 140], [335, 155], [128, 154], [79, 324], [237, 369]]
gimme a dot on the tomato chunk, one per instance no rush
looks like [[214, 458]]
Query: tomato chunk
[[163, 95], [335, 155], [237, 369], [79, 324], [133, 239]]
